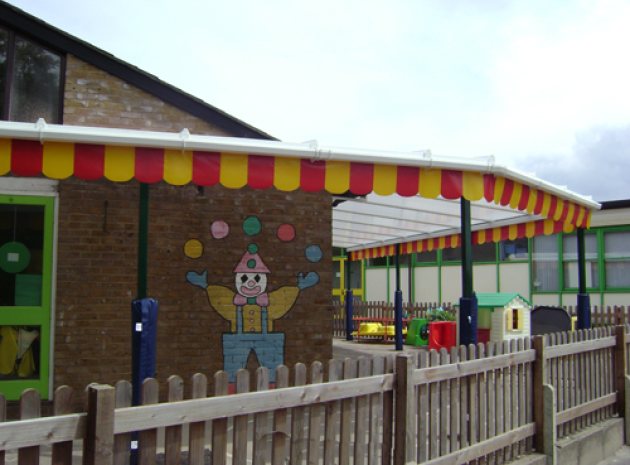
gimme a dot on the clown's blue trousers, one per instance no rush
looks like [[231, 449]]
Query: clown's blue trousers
[[268, 348]]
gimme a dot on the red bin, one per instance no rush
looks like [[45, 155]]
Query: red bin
[[442, 334]]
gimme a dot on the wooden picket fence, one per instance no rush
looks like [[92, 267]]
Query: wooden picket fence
[[470, 403], [383, 312], [481, 404], [380, 312], [605, 316]]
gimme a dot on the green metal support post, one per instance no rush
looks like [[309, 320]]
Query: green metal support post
[[141, 293], [398, 323], [349, 303], [143, 232], [468, 301], [583, 299]]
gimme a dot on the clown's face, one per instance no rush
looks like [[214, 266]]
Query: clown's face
[[251, 284]]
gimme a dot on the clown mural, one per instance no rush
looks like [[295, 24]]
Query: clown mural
[[251, 307]]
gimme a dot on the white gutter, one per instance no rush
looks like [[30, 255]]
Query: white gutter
[[185, 141]]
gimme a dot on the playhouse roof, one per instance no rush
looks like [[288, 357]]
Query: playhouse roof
[[498, 299]]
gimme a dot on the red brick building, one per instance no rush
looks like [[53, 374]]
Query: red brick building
[[71, 270]]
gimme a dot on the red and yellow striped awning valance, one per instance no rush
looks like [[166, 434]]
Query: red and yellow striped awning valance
[[502, 233], [60, 160]]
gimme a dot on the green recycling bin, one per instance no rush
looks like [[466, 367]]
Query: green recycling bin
[[418, 332]]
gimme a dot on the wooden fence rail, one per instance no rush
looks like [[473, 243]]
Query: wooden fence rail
[[483, 404]]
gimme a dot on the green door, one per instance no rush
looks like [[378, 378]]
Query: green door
[[26, 251]]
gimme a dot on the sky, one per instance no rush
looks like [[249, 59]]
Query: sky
[[543, 86]]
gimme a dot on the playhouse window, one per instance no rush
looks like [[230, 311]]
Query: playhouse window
[[514, 320]]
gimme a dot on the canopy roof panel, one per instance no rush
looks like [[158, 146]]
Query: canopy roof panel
[[404, 197]]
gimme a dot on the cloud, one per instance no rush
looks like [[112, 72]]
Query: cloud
[[597, 166]]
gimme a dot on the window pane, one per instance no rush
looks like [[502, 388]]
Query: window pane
[[617, 245], [426, 257], [403, 260], [452, 255], [618, 274], [21, 246], [35, 84], [513, 250], [569, 254], [379, 261], [355, 275], [19, 352], [617, 256], [484, 252], [4, 43], [571, 277], [545, 264], [337, 252], [569, 247], [336, 274]]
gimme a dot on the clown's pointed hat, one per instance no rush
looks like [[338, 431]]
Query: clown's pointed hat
[[251, 262]]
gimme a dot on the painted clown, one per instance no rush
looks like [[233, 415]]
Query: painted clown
[[251, 311]]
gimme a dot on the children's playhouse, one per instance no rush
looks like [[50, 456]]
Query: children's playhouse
[[502, 316]]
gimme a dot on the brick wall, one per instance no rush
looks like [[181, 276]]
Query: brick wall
[[94, 97], [97, 253]]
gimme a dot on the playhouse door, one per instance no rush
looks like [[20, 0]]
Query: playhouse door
[[26, 238]]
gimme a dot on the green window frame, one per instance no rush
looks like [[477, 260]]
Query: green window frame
[[39, 316], [616, 259]]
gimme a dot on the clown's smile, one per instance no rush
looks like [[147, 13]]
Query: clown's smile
[[250, 292]]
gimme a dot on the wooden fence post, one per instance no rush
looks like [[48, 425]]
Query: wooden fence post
[[620, 368], [98, 445], [62, 451], [405, 417], [30, 407], [539, 382], [549, 440]]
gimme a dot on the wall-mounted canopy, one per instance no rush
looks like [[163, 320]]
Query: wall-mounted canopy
[[369, 227], [421, 209]]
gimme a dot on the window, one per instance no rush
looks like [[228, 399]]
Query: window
[[480, 253], [426, 257], [30, 80], [355, 275], [336, 284], [484, 252], [514, 319], [513, 250], [452, 255], [378, 261], [4, 46], [403, 260], [337, 252], [570, 261], [21, 246], [617, 259], [545, 263]]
